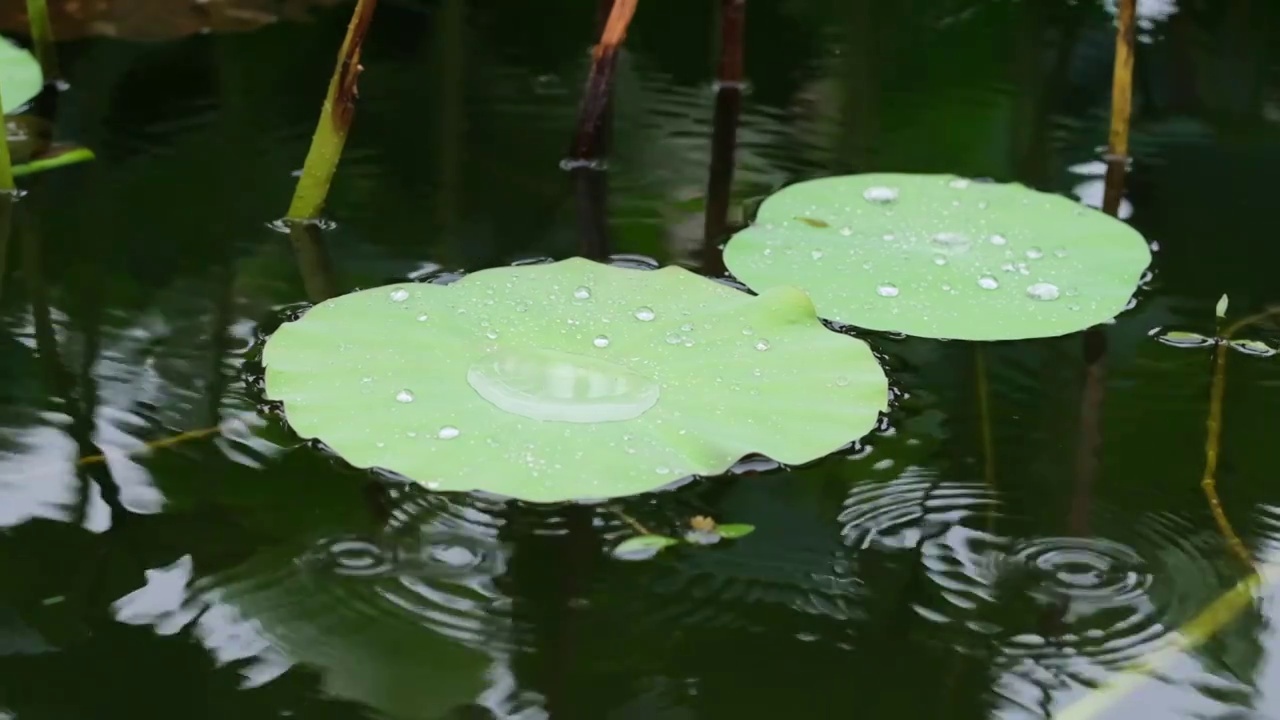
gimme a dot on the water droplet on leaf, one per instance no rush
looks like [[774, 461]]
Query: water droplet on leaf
[[645, 314], [601, 341], [880, 194], [1042, 291], [986, 282], [888, 290], [404, 396], [399, 295], [448, 432], [582, 292]]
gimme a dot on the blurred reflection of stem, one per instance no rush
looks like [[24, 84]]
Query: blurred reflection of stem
[[42, 38], [1089, 444], [1213, 435], [156, 444], [335, 120], [313, 261], [1121, 108], [984, 413], [724, 134], [451, 41], [1185, 639], [860, 99], [6, 225], [599, 85], [591, 197]]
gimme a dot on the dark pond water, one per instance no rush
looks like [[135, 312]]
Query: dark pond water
[[1027, 521]]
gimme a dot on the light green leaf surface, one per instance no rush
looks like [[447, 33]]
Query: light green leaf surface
[[642, 547], [941, 256], [571, 380], [735, 530], [20, 76]]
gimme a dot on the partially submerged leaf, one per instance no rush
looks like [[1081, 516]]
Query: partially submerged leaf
[[735, 530], [642, 547], [20, 76], [571, 380], [1256, 348], [941, 256]]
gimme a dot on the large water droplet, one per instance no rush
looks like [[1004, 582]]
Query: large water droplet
[[582, 292], [880, 194], [950, 243], [404, 396], [986, 282], [399, 295], [1034, 253], [1042, 291], [601, 341], [762, 345], [553, 385], [998, 240], [645, 314], [888, 290], [448, 432]]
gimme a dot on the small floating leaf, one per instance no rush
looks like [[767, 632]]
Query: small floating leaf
[[508, 387], [964, 260], [1253, 347], [1183, 339], [20, 76], [702, 537], [642, 547], [735, 530], [1221, 308]]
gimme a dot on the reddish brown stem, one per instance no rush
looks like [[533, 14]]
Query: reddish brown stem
[[724, 138], [595, 99]]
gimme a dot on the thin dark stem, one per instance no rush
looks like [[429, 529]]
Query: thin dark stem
[[724, 137], [595, 99]]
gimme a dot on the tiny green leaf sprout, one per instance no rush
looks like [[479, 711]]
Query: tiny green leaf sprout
[[941, 256], [571, 380]]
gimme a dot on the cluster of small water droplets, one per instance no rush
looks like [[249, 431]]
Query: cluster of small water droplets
[[880, 194]]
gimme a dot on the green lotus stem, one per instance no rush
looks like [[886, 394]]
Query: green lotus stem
[[1213, 436], [55, 159], [1121, 108], [335, 120], [42, 37]]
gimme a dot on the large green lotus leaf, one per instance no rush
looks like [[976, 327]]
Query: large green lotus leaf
[[570, 380], [941, 256], [20, 75]]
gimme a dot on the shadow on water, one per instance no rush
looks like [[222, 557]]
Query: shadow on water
[[1024, 524]]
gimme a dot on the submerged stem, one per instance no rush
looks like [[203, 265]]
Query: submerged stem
[[42, 38], [635, 524], [335, 120]]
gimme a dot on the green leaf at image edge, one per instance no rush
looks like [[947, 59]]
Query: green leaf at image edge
[[59, 157], [571, 380], [642, 547], [20, 76], [941, 256], [735, 530]]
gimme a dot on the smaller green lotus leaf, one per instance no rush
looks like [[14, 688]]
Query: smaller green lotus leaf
[[20, 76], [942, 256], [1184, 339], [571, 380], [735, 530], [642, 547]]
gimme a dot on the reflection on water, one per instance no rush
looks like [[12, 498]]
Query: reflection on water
[[1017, 531]]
